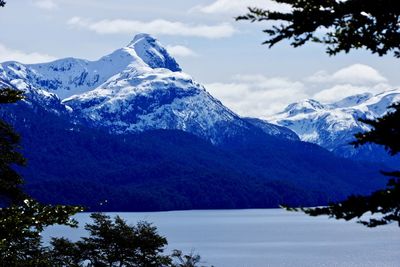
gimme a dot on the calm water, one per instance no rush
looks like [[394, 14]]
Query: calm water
[[255, 238]]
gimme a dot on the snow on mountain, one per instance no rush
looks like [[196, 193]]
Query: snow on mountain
[[135, 88], [155, 99], [153, 53], [70, 76], [333, 125], [141, 87], [273, 129]]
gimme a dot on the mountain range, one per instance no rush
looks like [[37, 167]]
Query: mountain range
[[333, 125], [131, 131]]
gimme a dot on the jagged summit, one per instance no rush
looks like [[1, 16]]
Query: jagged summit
[[142, 36], [152, 52], [73, 76], [136, 88]]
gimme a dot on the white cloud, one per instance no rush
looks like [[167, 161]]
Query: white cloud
[[7, 54], [239, 7], [338, 92], [45, 4], [355, 74], [159, 26], [180, 51], [261, 96], [257, 95]]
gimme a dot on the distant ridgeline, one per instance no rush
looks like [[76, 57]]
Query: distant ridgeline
[[132, 132], [334, 125]]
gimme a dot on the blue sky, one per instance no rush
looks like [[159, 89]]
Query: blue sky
[[224, 55]]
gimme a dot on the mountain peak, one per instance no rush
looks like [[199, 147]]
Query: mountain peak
[[142, 37], [152, 52], [303, 107]]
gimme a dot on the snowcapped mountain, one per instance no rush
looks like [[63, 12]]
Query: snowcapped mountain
[[135, 88], [333, 125], [71, 76], [76, 111]]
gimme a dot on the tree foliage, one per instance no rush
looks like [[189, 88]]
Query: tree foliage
[[385, 204], [20, 229], [10, 180], [385, 131], [188, 260], [341, 25], [112, 242]]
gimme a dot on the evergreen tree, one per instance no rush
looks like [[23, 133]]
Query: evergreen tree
[[10, 180], [343, 26]]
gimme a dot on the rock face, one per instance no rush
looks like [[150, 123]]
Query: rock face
[[133, 129], [333, 125]]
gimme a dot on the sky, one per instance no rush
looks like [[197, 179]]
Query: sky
[[224, 55]]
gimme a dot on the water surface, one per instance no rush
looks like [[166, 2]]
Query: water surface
[[271, 237]]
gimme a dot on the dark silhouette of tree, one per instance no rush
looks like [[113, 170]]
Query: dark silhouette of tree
[[2, 3], [10, 180], [343, 26], [65, 253], [20, 229], [113, 243], [385, 131], [189, 260], [150, 245]]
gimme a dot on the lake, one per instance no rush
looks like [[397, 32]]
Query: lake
[[270, 237]]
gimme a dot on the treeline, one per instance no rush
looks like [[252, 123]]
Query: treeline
[[172, 170]]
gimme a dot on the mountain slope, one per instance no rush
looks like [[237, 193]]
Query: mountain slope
[[133, 129], [273, 129], [166, 169], [333, 125], [136, 88]]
